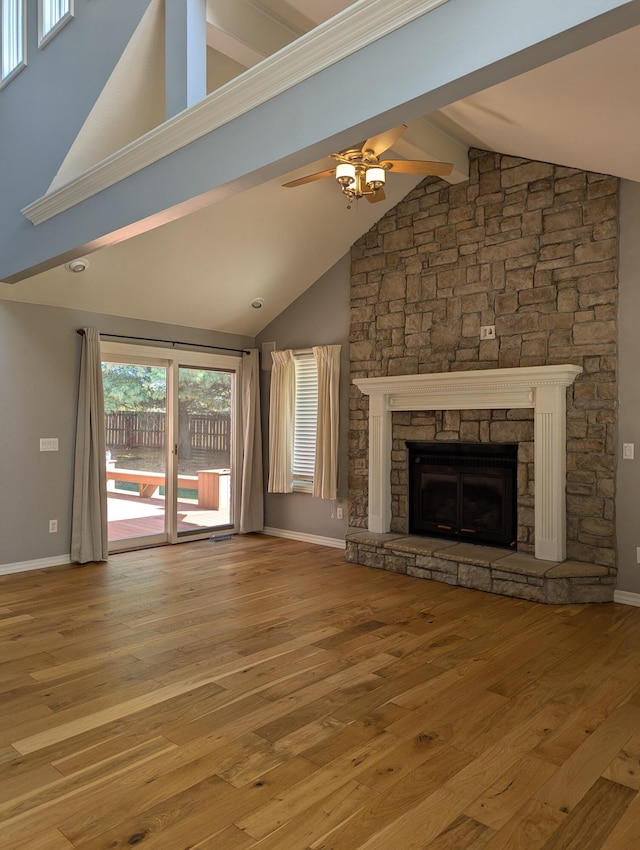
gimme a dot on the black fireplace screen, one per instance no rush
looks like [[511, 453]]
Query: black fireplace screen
[[464, 491]]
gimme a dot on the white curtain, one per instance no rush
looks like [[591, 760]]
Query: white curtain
[[251, 493], [325, 476], [89, 517], [281, 418]]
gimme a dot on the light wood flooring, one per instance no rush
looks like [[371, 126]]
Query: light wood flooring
[[262, 694]]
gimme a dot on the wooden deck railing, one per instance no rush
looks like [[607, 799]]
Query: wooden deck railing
[[207, 483]]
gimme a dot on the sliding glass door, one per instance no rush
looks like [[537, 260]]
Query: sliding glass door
[[135, 402], [203, 450], [170, 432]]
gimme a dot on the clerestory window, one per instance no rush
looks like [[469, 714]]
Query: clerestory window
[[52, 16], [13, 51]]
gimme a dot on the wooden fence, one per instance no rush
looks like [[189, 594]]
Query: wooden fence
[[125, 429]]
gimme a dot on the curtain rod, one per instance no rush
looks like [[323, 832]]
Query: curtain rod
[[169, 342]]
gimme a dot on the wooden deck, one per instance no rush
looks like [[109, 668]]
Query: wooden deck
[[261, 694], [131, 515]]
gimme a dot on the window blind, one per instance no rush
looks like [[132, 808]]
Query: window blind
[[306, 414]]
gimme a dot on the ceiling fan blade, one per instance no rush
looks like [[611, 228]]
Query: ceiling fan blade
[[378, 196], [309, 178], [381, 143], [414, 166]]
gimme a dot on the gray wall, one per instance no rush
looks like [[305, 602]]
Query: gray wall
[[60, 84], [320, 316], [628, 474], [40, 357]]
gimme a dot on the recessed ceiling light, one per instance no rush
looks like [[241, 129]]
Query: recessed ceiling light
[[256, 303], [78, 265]]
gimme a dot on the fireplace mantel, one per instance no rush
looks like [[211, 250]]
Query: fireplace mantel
[[542, 388]]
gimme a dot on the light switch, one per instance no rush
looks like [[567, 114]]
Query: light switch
[[628, 451], [48, 444]]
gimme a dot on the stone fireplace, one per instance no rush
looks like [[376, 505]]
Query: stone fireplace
[[530, 248]]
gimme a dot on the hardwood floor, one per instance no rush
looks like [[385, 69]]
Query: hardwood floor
[[262, 694]]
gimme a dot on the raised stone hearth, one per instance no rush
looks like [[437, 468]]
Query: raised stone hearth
[[481, 568]]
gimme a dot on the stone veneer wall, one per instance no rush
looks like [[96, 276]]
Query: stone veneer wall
[[532, 248]]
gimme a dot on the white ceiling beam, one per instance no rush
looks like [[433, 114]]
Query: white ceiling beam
[[185, 54], [246, 31], [227, 44], [292, 15], [318, 10]]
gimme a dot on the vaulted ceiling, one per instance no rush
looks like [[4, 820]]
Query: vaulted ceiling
[[581, 110]]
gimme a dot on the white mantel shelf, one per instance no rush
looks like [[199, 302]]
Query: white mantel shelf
[[542, 388]]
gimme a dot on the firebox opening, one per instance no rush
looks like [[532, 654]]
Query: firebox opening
[[464, 491]]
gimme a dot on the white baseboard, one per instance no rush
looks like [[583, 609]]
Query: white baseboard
[[334, 542], [625, 597], [39, 564], [60, 560]]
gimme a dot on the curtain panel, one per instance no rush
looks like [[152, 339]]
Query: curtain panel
[[281, 422], [325, 477], [89, 515], [251, 492]]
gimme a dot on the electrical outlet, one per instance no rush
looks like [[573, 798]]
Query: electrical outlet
[[487, 332], [53, 526], [628, 451], [339, 512]]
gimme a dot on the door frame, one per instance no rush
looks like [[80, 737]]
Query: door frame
[[172, 359]]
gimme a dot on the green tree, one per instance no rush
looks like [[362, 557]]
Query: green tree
[[204, 391], [130, 387], [200, 391]]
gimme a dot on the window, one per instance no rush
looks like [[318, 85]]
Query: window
[[13, 50], [305, 421], [52, 16], [304, 411]]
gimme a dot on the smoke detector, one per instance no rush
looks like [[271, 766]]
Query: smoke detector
[[78, 265], [256, 303]]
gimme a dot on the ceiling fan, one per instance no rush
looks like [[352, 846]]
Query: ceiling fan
[[362, 174]]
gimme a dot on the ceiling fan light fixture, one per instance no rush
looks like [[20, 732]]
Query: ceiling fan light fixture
[[345, 174], [361, 174], [375, 178]]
